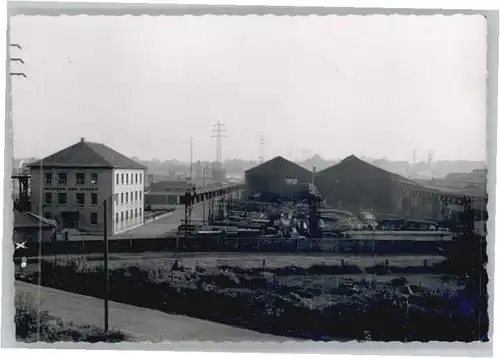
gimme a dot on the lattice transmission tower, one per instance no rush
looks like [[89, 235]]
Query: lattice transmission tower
[[219, 133], [261, 149]]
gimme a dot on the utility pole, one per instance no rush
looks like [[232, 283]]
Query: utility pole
[[219, 131], [106, 277], [191, 160]]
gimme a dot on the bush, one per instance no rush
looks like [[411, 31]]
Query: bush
[[33, 325], [27, 319]]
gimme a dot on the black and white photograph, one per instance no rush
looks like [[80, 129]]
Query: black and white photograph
[[249, 178]]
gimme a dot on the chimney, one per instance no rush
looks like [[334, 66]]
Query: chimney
[[82, 140]]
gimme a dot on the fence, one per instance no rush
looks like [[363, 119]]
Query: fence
[[287, 245]]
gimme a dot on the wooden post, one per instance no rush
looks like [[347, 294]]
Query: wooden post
[[106, 278], [373, 245]]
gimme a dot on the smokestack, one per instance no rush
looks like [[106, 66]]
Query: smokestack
[[82, 140]]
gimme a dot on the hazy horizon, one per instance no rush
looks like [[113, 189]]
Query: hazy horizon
[[372, 86]]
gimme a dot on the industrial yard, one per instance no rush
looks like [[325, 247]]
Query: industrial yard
[[265, 261]]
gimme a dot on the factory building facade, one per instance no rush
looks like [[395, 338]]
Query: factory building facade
[[71, 186]]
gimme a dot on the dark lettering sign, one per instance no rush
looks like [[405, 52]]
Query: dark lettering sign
[[70, 189]]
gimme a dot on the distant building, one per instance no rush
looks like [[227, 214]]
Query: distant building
[[472, 184], [71, 185], [166, 194]]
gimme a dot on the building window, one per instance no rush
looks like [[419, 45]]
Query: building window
[[117, 179], [48, 198], [62, 198], [80, 178], [126, 178], [140, 178], [136, 195], [140, 195], [62, 179], [126, 215], [93, 178], [93, 198], [80, 199], [48, 178], [131, 214], [121, 198], [136, 178], [93, 218], [135, 213], [48, 215], [126, 197], [117, 218], [123, 179], [121, 216], [131, 178], [140, 212]]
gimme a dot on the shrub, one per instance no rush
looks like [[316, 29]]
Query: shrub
[[33, 325]]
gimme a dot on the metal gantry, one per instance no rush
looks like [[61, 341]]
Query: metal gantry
[[189, 200]]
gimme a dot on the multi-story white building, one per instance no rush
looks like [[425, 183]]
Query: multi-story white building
[[72, 185]]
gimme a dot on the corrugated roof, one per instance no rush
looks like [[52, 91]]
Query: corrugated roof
[[88, 154], [27, 220]]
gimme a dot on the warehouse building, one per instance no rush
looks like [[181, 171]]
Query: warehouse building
[[356, 185], [277, 178]]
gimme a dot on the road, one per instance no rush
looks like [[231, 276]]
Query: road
[[155, 229], [140, 323]]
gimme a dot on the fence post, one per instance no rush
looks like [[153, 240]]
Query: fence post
[[373, 245], [66, 239]]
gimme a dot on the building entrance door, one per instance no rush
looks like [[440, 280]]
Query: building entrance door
[[69, 219]]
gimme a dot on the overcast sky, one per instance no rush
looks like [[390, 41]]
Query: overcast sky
[[378, 86]]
